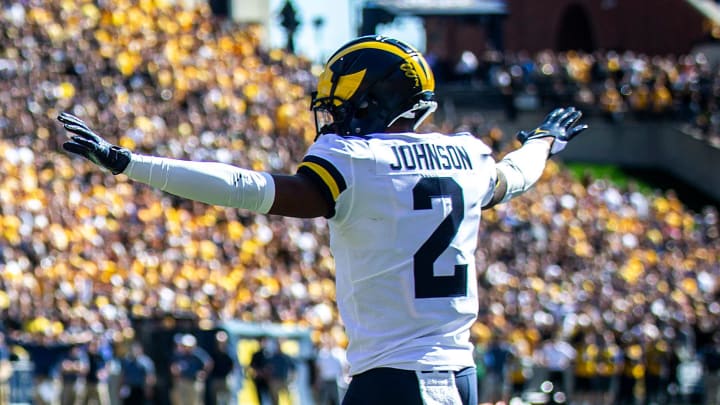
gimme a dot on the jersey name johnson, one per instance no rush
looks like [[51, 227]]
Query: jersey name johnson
[[429, 156]]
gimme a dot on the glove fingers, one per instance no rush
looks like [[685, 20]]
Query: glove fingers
[[553, 116], [566, 112], [82, 131], [76, 125], [571, 118], [89, 144], [574, 131], [66, 118], [76, 148]]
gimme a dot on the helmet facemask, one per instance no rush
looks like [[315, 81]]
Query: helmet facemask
[[328, 115]]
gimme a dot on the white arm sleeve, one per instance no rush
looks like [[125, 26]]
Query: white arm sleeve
[[523, 167], [207, 182]]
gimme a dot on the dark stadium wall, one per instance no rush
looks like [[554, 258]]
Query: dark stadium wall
[[448, 37], [221, 8], [657, 27], [653, 27]]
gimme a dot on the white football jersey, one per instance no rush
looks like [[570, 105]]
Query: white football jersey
[[403, 235]]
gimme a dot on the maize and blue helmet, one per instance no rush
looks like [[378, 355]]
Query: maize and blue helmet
[[369, 84]]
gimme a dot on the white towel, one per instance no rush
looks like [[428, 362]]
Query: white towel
[[438, 388]]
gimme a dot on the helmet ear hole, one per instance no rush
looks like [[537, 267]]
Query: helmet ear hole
[[361, 113], [363, 110]]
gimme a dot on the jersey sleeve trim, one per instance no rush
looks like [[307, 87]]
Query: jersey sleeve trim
[[331, 179]]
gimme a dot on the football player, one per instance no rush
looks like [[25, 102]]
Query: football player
[[403, 210]]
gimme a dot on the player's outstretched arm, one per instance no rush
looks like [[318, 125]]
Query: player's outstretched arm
[[207, 182], [519, 170]]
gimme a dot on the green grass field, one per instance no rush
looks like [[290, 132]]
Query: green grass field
[[611, 173]]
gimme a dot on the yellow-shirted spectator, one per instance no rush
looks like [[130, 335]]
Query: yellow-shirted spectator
[[662, 100], [608, 367], [640, 99], [612, 103], [586, 368], [658, 363], [633, 371]]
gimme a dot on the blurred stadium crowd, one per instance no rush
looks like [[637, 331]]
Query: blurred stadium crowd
[[628, 280], [616, 85]]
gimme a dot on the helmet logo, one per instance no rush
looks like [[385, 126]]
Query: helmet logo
[[345, 86], [410, 72]]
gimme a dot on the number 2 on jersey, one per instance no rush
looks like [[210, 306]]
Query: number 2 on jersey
[[427, 284]]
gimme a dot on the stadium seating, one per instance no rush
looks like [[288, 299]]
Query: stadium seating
[[83, 254]]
